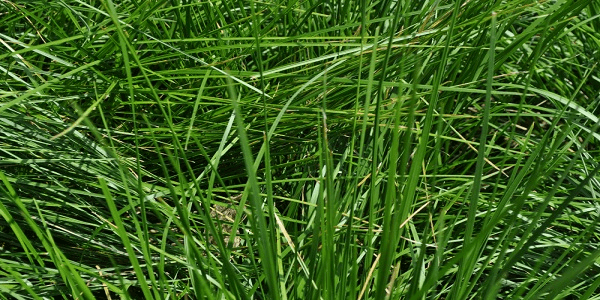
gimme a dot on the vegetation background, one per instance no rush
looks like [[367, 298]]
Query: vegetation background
[[299, 149]]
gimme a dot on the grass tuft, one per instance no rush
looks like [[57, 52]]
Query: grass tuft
[[299, 150]]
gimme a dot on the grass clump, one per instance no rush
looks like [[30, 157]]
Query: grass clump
[[299, 150]]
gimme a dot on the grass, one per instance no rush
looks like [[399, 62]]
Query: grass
[[299, 149]]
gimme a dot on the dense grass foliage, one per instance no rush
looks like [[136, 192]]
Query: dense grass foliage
[[299, 149]]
